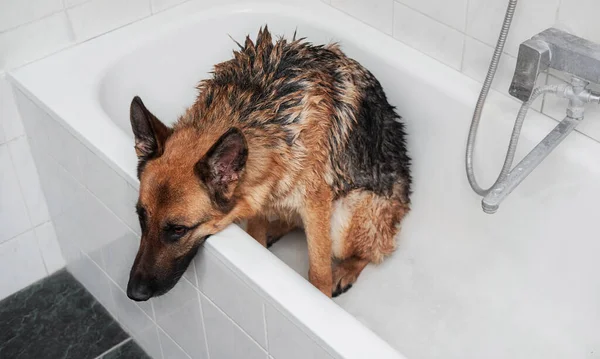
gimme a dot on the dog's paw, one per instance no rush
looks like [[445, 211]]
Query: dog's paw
[[339, 290], [272, 240]]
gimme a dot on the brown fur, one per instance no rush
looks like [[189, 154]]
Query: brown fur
[[296, 129]]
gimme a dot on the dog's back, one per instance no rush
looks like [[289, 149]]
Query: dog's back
[[309, 103]]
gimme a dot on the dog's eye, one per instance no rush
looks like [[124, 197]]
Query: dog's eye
[[179, 230], [175, 232]]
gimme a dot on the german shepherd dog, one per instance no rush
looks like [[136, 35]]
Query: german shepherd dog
[[286, 130]]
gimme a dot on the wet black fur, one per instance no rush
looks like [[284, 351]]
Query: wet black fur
[[375, 155], [373, 158]]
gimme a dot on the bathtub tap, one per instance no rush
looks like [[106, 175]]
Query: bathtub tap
[[578, 95], [550, 49], [554, 49]]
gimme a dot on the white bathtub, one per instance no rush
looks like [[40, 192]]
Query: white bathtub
[[522, 283]]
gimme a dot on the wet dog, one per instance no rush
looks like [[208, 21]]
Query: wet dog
[[285, 130]]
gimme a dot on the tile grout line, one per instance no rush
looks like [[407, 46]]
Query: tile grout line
[[393, 19], [25, 231], [29, 22], [231, 320], [264, 310], [74, 42], [430, 17], [114, 284], [162, 354], [29, 210], [85, 187], [199, 294], [266, 301], [464, 49], [6, 142], [171, 338], [115, 346], [22, 192]]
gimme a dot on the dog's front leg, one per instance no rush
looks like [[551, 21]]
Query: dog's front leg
[[257, 228], [317, 218]]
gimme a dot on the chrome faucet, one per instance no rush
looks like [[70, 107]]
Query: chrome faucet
[[551, 49], [557, 50]]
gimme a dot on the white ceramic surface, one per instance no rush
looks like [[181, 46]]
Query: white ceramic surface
[[518, 284], [429, 36], [20, 252]]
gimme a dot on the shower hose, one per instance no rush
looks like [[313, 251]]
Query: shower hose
[[514, 139]]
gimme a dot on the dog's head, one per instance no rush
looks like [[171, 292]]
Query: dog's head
[[187, 185]]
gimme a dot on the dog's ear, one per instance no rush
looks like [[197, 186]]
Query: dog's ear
[[222, 166], [150, 134]]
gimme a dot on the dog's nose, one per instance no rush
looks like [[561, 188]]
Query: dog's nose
[[138, 289]]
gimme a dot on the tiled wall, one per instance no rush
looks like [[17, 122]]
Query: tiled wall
[[30, 30], [211, 313], [463, 33], [28, 247]]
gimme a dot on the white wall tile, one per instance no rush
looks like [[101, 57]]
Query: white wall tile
[[580, 17], [94, 280], [170, 349], [190, 274], [64, 148], [20, 263], [149, 340], [69, 250], [119, 255], [231, 294], [287, 341], [77, 214], [61, 190], [32, 119], [484, 20], [377, 13], [14, 218], [160, 5], [96, 17], [112, 189], [178, 313], [56, 35], [477, 61], [49, 247], [428, 36], [225, 338], [29, 181], [137, 323], [17, 12], [449, 12], [10, 121], [70, 223]]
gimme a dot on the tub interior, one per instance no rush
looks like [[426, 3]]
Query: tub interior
[[462, 284]]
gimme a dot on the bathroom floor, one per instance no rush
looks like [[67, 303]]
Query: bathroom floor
[[58, 318]]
